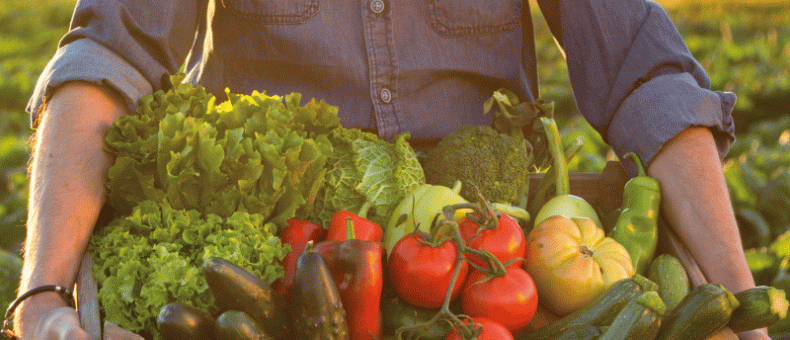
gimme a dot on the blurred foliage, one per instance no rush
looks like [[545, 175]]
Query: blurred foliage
[[746, 50], [30, 35]]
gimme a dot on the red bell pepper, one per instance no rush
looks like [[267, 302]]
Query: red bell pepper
[[296, 234], [357, 269], [364, 229]]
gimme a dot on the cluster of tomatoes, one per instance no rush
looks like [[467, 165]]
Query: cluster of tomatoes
[[482, 262]]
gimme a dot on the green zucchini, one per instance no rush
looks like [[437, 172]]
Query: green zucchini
[[237, 325], [706, 309], [671, 277], [640, 319], [317, 310], [599, 313], [760, 307], [177, 321], [588, 332], [235, 288]]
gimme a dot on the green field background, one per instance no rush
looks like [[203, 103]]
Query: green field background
[[744, 46]]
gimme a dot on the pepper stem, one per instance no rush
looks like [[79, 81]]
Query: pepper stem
[[557, 154], [363, 210], [457, 186], [638, 163], [350, 232]]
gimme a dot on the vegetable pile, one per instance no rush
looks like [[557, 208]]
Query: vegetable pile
[[259, 217], [195, 179], [152, 257]]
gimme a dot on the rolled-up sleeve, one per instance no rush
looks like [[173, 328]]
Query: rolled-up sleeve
[[129, 46], [633, 77]]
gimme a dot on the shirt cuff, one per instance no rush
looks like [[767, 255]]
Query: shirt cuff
[[86, 60], [663, 107]]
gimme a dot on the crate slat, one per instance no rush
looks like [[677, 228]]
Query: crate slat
[[87, 302]]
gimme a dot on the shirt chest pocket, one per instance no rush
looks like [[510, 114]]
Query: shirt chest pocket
[[458, 18], [277, 12]]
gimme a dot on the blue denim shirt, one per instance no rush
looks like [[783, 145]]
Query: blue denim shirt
[[418, 66]]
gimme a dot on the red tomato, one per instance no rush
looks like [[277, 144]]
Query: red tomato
[[492, 330], [421, 274], [510, 299], [506, 241]]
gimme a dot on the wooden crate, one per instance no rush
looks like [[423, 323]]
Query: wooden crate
[[605, 191]]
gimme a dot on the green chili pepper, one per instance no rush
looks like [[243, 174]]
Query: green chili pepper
[[637, 226]]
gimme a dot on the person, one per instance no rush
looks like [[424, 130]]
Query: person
[[391, 67]]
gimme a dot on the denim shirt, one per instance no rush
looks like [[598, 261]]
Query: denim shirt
[[391, 66]]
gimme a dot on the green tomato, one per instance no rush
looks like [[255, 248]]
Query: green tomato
[[426, 201], [569, 206]]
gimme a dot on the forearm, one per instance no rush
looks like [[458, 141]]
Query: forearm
[[67, 174], [696, 203]]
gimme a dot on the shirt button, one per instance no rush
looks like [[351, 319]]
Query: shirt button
[[385, 95], [377, 6]]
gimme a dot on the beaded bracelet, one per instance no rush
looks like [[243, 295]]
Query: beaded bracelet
[[12, 307]]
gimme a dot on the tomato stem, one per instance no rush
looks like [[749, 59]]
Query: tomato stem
[[490, 217], [496, 268]]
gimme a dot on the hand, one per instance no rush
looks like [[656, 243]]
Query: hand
[[757, 334], [47, 317], [61, 323]]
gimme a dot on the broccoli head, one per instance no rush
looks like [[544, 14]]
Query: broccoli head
[[497, 164]]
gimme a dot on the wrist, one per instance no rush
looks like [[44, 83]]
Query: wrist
[[33, 306]]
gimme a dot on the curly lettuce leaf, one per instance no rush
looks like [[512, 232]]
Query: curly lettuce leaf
[[255, 153], [152, 257]]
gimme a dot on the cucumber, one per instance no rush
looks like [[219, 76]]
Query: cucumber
[[671, 277], [317, 310], [760, 307], [177, 321], [599, 313], [235, 288], [640, 319], [237, 325], [588, 332], [706, 309]]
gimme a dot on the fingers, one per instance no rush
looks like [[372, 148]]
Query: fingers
[[757, 334], [60, 324]]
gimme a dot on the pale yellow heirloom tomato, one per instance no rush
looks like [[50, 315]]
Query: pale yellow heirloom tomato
[[426, 202], [572, 262]]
